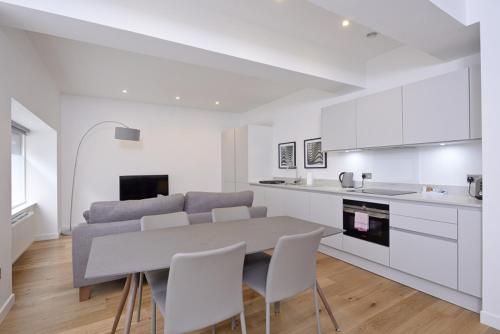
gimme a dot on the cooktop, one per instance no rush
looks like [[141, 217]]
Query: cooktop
[[386, 192]]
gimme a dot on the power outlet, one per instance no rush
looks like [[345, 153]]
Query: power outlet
[[366, 176], [473, 177]]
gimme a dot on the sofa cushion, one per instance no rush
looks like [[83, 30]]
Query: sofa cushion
[[206, 217], [105, 212], [197, 201]]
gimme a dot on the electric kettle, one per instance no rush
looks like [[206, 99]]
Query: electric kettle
[[346, 179]]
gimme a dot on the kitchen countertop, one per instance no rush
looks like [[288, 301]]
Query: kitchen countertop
[[465, 201]]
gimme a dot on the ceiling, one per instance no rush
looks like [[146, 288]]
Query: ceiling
[[239, 52], [91, 70]]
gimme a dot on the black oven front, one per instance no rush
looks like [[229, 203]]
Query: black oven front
[[378, 221]]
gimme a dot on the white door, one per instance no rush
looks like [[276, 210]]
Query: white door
[[338, 126], [379, 119], [241, 154], [228, 156], [437, 109], [470, 243]]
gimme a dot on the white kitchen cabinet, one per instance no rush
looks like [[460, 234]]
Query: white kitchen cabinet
[[469, 251], [275, 202], [379, 119], [246, 155], [437, 109], [296, 204], [427, 257], [338, 126], [326, 209], [259, 195], [425, 211], [475, 101], [367, 250]]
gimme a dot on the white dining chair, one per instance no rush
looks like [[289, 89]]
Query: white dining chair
[[153, 223], [202, 289], [290, 271], [231, 213]]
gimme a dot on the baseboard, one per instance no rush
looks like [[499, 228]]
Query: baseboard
[[6, 307], [46, 236], [456, 297], [490, 319]]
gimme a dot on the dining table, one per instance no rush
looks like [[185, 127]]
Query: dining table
[[132, 253]]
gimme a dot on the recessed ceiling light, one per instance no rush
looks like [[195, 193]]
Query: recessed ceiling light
[[345, 23], [217, 102], [442, 144], [124, 91], [177, 97]]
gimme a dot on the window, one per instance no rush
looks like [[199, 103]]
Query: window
[[18, 165]]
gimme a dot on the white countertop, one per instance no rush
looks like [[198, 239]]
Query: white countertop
[[433, 198]]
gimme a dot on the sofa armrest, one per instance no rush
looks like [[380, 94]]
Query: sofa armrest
[[82, 240]]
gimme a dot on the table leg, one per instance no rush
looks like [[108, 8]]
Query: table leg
[[131, 302], [327, 307], [119, 311]]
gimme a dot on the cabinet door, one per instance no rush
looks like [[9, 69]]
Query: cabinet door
[[338, 126], [326, 209], [275, 199], [469, 252], [227, 152], [296, 204], [437, 109], [379, 119], [423, 256], [259, 196], [475, 102]]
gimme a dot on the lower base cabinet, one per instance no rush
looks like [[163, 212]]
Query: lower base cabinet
[[367, 250], [428, 257]]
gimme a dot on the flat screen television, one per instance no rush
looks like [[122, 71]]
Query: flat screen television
[[143, 186]]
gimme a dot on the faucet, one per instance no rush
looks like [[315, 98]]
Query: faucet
[[297, 179]]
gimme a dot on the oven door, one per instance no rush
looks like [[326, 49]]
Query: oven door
[[378, 231]]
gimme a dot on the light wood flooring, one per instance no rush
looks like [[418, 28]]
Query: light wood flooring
[[363, 302]]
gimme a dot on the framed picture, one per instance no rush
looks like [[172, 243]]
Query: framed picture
[[286, 155], [314, 157]]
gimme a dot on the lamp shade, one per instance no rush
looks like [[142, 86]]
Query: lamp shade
[[127, 134]]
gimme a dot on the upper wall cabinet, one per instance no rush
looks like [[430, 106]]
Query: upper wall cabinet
[[379, 119], [338, 126], [475, 102], [437, 109]]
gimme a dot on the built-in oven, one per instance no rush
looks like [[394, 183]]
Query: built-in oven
[[367, 221]]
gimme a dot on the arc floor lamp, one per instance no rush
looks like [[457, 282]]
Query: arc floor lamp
[[122, 132]]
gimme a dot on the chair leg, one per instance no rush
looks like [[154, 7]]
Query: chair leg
[[316, 307], [213, 329], [268, 318], [243, 323], [153, 317], [233, 323], [139, 304]]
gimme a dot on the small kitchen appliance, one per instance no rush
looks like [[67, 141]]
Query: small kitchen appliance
[[346, 179]]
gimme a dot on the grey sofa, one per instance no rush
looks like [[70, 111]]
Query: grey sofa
[[105, 218]]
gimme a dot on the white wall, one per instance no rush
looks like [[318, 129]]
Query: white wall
[[490, 83], [23, 77], [183, 143], [297, 117]]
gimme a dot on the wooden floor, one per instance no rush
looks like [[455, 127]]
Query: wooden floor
[[363, 302]]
